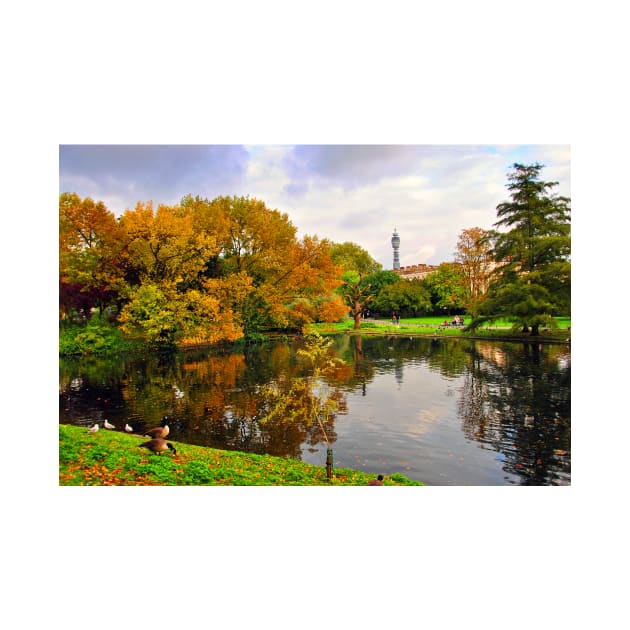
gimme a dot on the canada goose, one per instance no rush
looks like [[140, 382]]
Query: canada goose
[[158, 445], [159, 432], [376, 482], [93, 429], [128, 429], [107, 425]]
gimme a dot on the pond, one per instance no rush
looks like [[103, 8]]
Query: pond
[[447, 412]]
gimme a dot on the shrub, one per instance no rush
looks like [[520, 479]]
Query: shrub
[[97, 336]]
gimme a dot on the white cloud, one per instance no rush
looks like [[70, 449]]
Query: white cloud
[[344, 193]]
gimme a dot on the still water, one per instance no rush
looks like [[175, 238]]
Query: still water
[[446, 412]]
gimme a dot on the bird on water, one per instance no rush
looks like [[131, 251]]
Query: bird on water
[[159, 432], [158, 445]]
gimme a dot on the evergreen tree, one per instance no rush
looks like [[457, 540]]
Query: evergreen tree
[[533, 279]]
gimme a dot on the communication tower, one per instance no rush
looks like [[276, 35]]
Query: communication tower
[[396, 246]]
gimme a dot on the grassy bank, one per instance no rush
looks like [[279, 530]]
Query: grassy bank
[[111, 458], [431, 327], [101, 337]]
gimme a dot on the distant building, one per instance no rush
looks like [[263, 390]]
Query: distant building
[[413, 272]]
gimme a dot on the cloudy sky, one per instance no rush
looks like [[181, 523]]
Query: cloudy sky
[[358, 193]]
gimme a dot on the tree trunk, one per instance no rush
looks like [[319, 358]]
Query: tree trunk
[[356, 312], [534, 330]]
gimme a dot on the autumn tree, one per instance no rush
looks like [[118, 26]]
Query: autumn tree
[[209, 218], [474, 255], [532, 247], [310, 277], [90, 250], [200, 271], [170, 251], [288, 276], [163, 245]]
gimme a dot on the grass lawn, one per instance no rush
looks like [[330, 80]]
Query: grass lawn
[[111, 458], [431, 325]]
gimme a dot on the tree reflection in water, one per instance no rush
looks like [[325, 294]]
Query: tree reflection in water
[[519, 403], [512, 399]]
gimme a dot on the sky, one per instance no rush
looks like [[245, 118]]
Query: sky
[[359, 193]]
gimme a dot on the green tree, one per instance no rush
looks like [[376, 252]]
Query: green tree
[[447, 288], [381, 279], [151, 314], [357, 266], [533, 281], [407, 296]]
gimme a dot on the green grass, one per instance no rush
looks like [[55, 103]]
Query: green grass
[[434, 320], [115, 459], [431, 326]]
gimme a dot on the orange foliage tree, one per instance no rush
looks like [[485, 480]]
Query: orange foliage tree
[[200, 271], [474, 255], [91, 268]]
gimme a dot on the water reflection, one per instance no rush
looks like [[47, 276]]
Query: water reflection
[[443, 411], [520, 401]]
